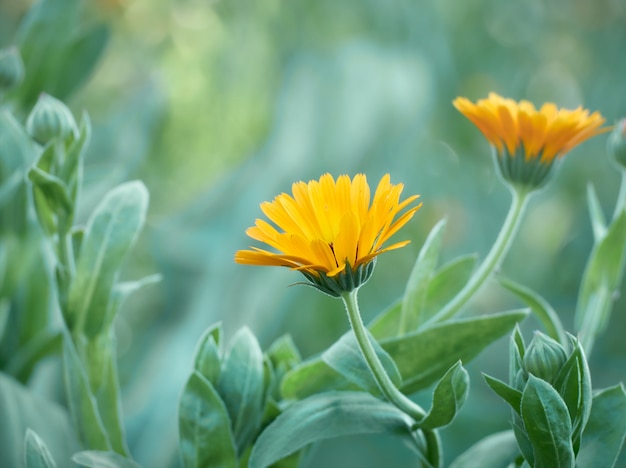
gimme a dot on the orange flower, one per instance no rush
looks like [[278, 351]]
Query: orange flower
[[329, 231]]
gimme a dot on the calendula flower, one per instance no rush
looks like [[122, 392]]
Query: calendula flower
[[329, 231], [527, 141]]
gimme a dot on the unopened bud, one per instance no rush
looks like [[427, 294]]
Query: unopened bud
[[11, 68], [49, 119], [544, 357], [616, 144]]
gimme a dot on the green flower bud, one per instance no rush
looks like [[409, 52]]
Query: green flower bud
[[544, 357], [49, 119], [616, 144], [11, 68]]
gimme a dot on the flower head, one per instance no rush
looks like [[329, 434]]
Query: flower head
[[328, 230], [528, 141]]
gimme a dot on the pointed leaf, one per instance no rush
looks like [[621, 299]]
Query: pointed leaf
[[494, 451], [36, 453], [448, 398], [345, 357], [547, 425], [241, 386], [313, 376], [540, 307], [322, 417], [204, 426], [413, 303], [605, 432], [110, 232], [207, 359], [509, 394], [385, 325], [96, 459], [598, 221]]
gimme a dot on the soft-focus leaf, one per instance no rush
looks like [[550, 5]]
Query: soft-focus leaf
[[98, 459], [322, 417], [448, 398], [110, 232], [36, 453], [509, 394], [311, 377], [447, 281], [204, 426], [601, 279], [241, 386], [207, 359], [517, 349], [605, 431], [5, 308], [82, 403], [497, 450], [540, 307], [385, 325], [21, 410], [598, 221], [443, 344], [413, 302], [22, 363], [345, 357], [547, 425]]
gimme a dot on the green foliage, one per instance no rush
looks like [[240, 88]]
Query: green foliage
[[36, 453], [494, 451], [95, 459], [324, 416], [449, 395]]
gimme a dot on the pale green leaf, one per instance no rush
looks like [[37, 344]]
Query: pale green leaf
[[547, 425], [98, 459], [598, 221], [36, 453], [207, 359], [110, 232], [322, 417], [414, 300], [204, 426], [448, 397], [509, 394], [497, 450], [605, 431]]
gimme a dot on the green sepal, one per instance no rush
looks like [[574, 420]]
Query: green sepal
[[36, 453], [345, 357], [204, 426], [494, 451], [547, 425], [509, 394], [346, 281], [605, 431], [448, 397], [325, 416], [208, 355], [413, 302], [99, 459], [241, 386]]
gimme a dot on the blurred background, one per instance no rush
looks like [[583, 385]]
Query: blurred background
[[220, 105]]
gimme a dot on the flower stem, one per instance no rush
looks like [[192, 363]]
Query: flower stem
[[387, 387], [493, 258]]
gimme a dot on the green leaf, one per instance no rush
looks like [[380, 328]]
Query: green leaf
[[494, 451], [36, 453], [110, 232], [447, 281], [283, 354], [5, 308], [601, 279], [598, 221], [204, 426], [385, 324], [207, 359], [53, 189], [517, 349], [241, 386], [443, 344], [411, 315], [540, 307], [82, 403], [20, 410], [311, 377], [23, 362], [509, 394], [322, 417], [345, 357], [605, 431], [97, 459], [547, 424], [448, 398]]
